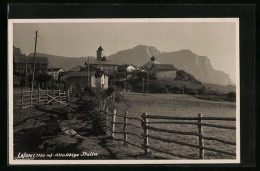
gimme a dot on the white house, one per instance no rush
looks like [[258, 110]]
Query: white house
[[130, 68], [55, 72], [100, 80]]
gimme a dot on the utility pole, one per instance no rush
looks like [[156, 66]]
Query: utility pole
[[34, 57], [26, 70], [28, 64]]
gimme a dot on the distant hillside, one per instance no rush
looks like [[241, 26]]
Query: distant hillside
[[139, 55], [64, 62], [221, 88], [199, 66]]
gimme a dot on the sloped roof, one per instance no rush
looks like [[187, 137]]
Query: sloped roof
[[100, 48], [132, 66], [99, 73], [168, 67], [91, 68], [149, 64]]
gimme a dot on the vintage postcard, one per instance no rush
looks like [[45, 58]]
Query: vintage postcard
[[124, 91]]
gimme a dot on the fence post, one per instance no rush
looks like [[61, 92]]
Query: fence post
[[22, 99], [39, 94], [113, 124], [146, 140], [31, 97], [201, 142], [125, 127]]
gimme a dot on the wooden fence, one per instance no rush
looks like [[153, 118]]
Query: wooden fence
[[145, 125], [31, 98], [112, 119]]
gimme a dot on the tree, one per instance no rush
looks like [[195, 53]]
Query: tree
[[141, 75], [121, 75], [42, 78]]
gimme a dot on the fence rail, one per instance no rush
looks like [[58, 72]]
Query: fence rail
[[190, 118], [31, 98], [145, 126], [200, 135]]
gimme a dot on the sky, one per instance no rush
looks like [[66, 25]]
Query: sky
[[216, 40]]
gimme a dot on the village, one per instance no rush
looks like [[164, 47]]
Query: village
[[99, 74]]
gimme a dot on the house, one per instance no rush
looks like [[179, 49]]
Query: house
[[163, 71], [55, 72], [79, 79], [130, 68], [23, 65], [159, 71], [100, 81]]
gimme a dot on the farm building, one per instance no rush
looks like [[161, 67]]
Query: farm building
[[162, 71], [23, 64], [55, 72]]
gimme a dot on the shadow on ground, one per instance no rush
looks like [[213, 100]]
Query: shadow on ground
[[45, 134]]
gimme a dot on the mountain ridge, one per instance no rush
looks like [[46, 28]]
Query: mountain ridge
[[199, 66]]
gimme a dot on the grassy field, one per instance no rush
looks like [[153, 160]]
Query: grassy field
[[179, 105], [174, 105]]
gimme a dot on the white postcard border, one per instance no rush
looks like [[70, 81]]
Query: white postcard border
[[116, 162]]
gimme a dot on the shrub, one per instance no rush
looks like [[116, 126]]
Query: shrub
[[93, 101], [176, 90], [163, 90], [110, 90], [76, 92], [118, 97], [88, 90], [231, 95]]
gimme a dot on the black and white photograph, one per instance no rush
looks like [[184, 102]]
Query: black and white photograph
[[124, 91]]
